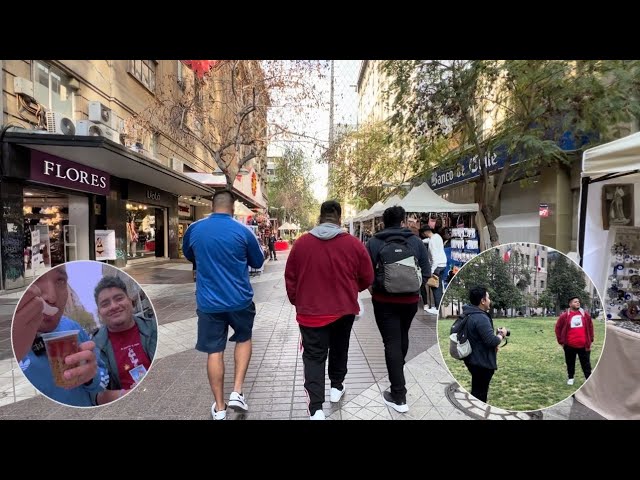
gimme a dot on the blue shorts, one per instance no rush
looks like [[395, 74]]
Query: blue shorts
[[213, 328]]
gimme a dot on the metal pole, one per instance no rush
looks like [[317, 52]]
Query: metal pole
[[331, 107]]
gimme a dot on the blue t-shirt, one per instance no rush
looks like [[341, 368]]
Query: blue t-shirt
[[36, 368], [223, 248]]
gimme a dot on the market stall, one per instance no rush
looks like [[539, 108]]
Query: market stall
[[457, 219], [609, 251]]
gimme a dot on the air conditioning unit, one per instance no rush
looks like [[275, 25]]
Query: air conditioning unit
[[100, 113], [89, 128], [177, 164], [59, 124], [23, 86]]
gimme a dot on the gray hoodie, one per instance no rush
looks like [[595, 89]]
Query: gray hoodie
[[326, 231]]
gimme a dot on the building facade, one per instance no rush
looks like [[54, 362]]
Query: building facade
[[77, 163]]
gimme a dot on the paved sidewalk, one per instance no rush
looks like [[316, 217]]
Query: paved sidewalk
[[176, 387]]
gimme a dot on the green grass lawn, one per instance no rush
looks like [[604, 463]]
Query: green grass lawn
[[531, 373]]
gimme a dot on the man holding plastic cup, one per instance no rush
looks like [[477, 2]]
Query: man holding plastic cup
[[38, 320]]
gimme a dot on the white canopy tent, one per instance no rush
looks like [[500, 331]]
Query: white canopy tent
[[376, 210], [615, 162], [424, 200]]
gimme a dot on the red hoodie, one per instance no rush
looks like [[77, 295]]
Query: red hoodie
[[563, 327], [323, 277]]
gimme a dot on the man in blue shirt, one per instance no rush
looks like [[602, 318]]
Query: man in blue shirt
[[40, 310], [225, 249]]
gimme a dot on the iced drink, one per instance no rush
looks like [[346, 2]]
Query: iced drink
[[59, 346]]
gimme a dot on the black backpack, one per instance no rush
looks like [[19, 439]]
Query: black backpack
[[398, 271], [459, 346]]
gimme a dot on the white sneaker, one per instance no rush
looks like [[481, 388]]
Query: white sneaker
[[570, 381], [319, 415], [432, 311], [426, 308], [336, 394], [236, 401], [220, 414]]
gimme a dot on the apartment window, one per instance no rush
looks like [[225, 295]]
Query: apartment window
[[51, 88], [542, 284], [527, 259], [145, 72], [541, 262]]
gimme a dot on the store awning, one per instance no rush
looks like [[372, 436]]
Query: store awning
[[113, 158]]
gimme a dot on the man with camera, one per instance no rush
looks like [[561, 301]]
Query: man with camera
[[574, 331], [482, 362]]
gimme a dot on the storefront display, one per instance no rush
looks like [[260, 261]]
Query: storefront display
[[622, 292], [46, 214], [141, 230]]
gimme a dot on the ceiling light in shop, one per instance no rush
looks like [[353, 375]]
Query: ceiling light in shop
[[28, 194]]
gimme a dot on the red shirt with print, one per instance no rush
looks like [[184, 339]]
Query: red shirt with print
[[576, 335], [575, 332], [127, 348]]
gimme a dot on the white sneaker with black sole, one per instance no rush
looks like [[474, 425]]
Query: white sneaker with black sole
[[237, 402], [336, 394], [218, 414]]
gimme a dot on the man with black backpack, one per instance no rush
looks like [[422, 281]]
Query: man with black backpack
[[401, 266], [482, 361]]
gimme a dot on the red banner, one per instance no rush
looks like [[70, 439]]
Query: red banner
[[201, 67]]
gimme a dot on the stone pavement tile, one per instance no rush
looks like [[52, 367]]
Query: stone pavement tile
[[299, 413], [365, 414], [35, 407], [417, 413], [457, 415], [70, 413], [433, 414]]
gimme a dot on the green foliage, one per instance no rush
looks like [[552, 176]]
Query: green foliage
[[82, 316], [566, 280], [290, 194], [362, 159], [490, 271], [531, 369], [525, 106]]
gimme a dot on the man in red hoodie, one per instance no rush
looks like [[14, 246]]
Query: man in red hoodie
[[325, 271], [574, 331]]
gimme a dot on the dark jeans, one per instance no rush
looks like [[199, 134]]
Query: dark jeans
[[437, 292], [272, 253], [570, 357], [334, 339], [394, 321], [480, 379]]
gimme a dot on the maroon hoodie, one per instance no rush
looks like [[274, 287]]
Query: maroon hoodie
[[325, 271]]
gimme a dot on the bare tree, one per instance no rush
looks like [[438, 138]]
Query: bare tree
[[227, 117]]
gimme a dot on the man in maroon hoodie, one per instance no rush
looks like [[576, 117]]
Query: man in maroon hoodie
[[325, 271], [574, 331]]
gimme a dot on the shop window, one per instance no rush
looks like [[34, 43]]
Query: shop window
[[46, 214], [51, 88], [141, 231], [145, 72]]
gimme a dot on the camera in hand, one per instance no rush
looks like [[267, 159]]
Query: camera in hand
[[506, 329]]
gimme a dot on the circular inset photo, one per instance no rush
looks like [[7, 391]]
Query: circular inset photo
[[521, 327], [84, 333]]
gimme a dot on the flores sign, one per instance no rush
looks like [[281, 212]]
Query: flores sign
[[57, 171]]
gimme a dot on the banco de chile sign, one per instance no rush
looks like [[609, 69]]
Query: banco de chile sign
[[469, 168]]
